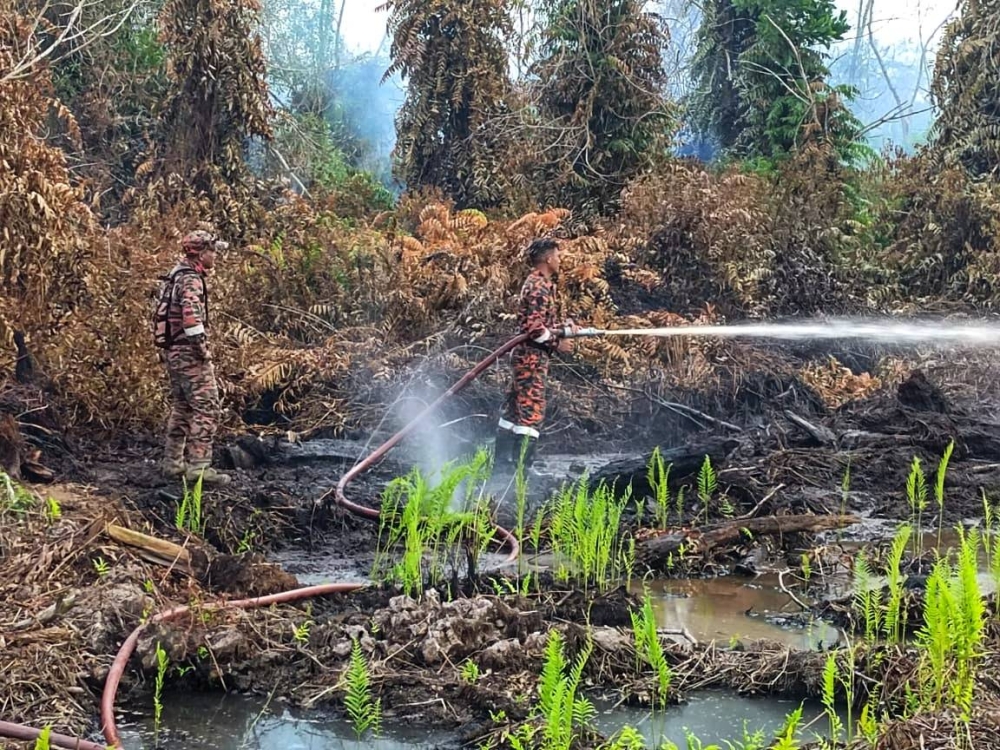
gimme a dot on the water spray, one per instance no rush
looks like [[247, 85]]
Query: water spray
[[885, 330], [569, 333]]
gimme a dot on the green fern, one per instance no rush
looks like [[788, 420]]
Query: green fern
[[942, 470], [916, 496], [43, 743], [829, 696], [162, 663], [628, 738], [706, 484], [867, 599], [189, 516], [895, 619], [648, 649], [658, 475], [751, 740], [562, 709], [365, 713], [786, 739]]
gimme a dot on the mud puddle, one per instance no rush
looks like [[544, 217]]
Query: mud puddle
[[931, 544], [221, 721], [714, 717], [731, 609], [323, 564]]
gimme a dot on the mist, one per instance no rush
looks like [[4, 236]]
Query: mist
[[888, 57]]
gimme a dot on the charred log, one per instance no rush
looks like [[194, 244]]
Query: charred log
[[684, 463], [656, 550]]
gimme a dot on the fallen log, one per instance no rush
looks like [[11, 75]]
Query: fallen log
[[820, 434], [54, 611], [684, 463], [160, 551], [246, 574], [656, 549]]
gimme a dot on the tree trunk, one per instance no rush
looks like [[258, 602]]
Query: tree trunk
[[656, 550]]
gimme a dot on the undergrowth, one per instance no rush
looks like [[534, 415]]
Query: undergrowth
[[364, 711], [585, 532], [428, 528]]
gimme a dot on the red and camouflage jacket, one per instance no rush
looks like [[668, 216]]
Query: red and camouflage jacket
[[187, 315], [537, 311]]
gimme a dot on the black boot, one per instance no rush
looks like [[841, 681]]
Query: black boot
[[503, 449], [529, 445]]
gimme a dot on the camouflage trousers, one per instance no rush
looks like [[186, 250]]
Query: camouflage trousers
[[194, 407], [524, 408]]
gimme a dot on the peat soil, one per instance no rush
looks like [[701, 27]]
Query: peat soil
[[69, 594]]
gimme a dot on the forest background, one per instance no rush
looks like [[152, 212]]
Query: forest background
[[379, 174]]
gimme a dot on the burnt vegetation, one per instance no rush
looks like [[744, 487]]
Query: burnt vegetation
[[369, 262], [168, 116], [568, 109]]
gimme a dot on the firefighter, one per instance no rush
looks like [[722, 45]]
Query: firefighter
[[181, 330], [524, 407]]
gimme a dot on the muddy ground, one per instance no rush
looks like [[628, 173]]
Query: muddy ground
[[69, 594]]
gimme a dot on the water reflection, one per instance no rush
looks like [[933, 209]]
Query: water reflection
[[726, 608], [216, 721], [714, 717]]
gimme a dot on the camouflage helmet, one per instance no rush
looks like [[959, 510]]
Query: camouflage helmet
[[196, 241]]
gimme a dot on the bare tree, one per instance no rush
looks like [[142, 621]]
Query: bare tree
[[71, 38]]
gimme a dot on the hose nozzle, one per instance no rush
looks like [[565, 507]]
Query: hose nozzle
[[569, 333]]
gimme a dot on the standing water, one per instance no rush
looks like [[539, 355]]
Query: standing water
[[221, 721], [218, 721]]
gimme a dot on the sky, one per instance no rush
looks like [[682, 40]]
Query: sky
[[895, 20]]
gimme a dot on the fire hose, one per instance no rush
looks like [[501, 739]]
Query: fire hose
[[341, 499], [109, 726]]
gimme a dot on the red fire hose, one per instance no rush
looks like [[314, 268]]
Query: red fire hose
[[30, 734], [118, 666], [389, 444], [109, 727]]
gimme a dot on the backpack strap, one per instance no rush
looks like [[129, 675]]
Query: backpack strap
[[170, 280]]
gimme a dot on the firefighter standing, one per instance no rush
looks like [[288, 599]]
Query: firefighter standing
[[524, 408], [181, 331]]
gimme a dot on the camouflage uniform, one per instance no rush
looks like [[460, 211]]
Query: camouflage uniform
[[194, 394], [524, 407]]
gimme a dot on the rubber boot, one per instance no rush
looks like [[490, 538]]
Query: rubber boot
[[503, 449], [208, 475], [172, 468], [530, 446]]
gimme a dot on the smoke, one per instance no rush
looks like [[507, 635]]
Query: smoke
[[366, 108], [887, 57], [433, 445], [430, 444]]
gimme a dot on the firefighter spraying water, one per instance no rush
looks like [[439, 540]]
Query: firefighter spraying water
[[538, 313], [542, 334]]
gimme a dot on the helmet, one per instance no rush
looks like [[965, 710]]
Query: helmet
[[196, 241]]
